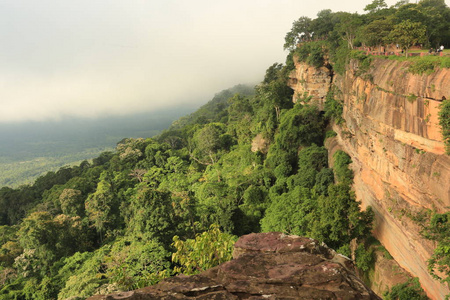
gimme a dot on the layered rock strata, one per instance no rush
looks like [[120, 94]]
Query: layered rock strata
[[265, 266], [392, 133], [308, 81]]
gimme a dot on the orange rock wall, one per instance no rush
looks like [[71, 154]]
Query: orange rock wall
[[391, 131], [307, 81]]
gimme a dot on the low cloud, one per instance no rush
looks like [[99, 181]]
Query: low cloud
[[91, 58]]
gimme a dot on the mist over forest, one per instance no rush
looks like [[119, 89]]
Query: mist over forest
[[30, 149], [119, 203]]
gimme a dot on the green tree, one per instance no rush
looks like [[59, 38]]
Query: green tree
[[209, 141], [329, 225], [150, 213], [375, 33], [323, 180], [375, 6], [51, 238], [72, 202], [348, 27], [133, 264], [99, 205], [324, 23], [273, 73], [292, 212], [311, 160], [436, 18], [240, 114], [341, 162], [207, 250], [410, 290], [253, 207], [409, 12], [407, 33], [216, 204], [300, 126], [82, 274], [276, 94], [439, 230], [300, 32]]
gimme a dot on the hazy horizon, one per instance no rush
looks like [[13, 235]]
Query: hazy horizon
[[92, 58]]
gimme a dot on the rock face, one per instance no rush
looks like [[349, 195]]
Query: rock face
[[307, 81], [392, 133], [265, 266]]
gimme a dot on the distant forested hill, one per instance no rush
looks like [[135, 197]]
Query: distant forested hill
[[215, 109], [159, 206], [172, 204], [28, 150]]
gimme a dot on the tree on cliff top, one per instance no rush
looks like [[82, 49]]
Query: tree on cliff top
[[300, 32], [348, 27], [407, 34], [374, 34], [375, 6]]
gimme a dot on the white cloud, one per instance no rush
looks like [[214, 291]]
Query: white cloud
[[89, 58]]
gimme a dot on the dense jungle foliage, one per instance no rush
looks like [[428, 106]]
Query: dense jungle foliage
[[159, 206], [332, 36], [175, 203], [31, 149]]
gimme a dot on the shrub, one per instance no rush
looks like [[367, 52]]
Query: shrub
[[409, 290], [364, 61], [364, 258], [333, 108], [439, 230], [315, 57], [311, 53], [330, 134], [411, 98], [207, 250], [340, 59], [341, 169], [444, 121], [422, 66]]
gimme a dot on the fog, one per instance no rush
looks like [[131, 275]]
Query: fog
[[89, 58]]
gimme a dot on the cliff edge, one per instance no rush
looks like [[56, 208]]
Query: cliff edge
[[265, 266], [392, 133]]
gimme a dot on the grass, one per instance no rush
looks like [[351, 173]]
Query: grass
[[424, 65], [439, 61], [446, 51]]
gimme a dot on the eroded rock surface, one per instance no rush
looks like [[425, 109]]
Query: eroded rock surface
[[392, 133], [308, 81], [265, 266]]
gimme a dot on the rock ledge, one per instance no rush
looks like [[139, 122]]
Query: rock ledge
[[265, 266]]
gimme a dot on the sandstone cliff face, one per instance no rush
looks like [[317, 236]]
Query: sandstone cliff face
[[310, 81], [265, 266], [391, 131]]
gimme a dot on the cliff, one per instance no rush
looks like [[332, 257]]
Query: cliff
[[265, 266], [391, 131]]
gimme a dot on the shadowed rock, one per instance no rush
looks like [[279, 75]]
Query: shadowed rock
[[265, 266]]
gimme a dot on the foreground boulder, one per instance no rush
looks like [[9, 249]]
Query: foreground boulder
[[265, 266]]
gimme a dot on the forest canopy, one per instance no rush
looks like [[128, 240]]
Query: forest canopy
[[156, 207], [402, 25], [248, 161]]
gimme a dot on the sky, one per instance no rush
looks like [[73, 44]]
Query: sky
[[86, 58]]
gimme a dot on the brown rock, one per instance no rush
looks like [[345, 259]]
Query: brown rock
[[265, 266], [307, 81], [392, 134]]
